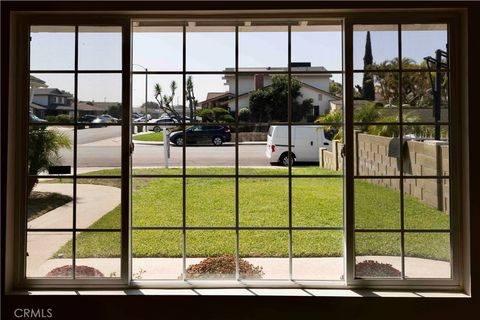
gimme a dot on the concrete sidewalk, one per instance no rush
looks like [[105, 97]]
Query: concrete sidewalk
[[93, 202], [326, 268]]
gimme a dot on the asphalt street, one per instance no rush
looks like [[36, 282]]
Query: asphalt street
[[101, 147]]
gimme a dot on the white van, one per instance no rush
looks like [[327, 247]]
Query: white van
[[306, 141]]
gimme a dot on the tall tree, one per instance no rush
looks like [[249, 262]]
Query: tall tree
[[368, 89], [165, 102], [270, 103], [191, 97]]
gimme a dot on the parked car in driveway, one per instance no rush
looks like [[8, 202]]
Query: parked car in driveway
[[214, 134], [306, 141], [157, 125]]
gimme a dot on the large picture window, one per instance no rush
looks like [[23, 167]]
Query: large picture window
[[308, 152]]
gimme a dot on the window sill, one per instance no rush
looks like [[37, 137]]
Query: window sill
[[347, 293]]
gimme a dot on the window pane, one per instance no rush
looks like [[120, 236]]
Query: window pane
[[210, 202], [263, 201], [263, 97], [427, 255], [261, 47], [419, 104], [149, 139], [220, 39], [163, 96], [52, 47], [426, 156], [49, 254], [210, 255], [211, 98], [98, 203], [50, 204], [100, 95], [317, 202], [157, 48], [209, 150], [99, 150], [99, 252], [314, 96], [310, 144], [376, 97], [320, 45], [377, 151], [99, 48], [426, 203], [377, 204], [50, 150], [266, 252], [377, 255], [420, 41], [375, 47], [157, 202], [51, 98], [317, 255], [252, 148], [157, 254], [148, 156]]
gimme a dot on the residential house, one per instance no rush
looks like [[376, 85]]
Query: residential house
[[315, 86], [45, 101]]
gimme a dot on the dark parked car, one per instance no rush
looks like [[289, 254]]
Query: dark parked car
[[87, 118], [215, 134]]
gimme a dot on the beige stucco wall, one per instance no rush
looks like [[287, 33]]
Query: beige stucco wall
[[420, 159]]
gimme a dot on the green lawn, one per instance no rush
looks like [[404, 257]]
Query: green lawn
[[263, 202], [156, 136]]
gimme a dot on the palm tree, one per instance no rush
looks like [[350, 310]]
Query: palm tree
[[43, 152]]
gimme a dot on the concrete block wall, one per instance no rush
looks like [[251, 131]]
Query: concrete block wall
[[372, 158], [250, 136]]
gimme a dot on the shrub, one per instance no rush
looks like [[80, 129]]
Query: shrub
[[367, 112], [335, 120], [222, 267], [375, 269], [80, 271], [244, 114], [61, 118]]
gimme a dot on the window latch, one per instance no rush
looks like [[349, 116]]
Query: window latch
[[132, 148]]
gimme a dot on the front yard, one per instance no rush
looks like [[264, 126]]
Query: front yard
[[263, 202], [154, 137]]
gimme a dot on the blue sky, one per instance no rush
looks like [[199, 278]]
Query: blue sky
[[207, 51]]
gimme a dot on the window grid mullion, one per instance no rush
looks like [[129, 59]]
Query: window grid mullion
[[75, 139], [290, 158], [237, 191], [184, 153], [400, 119]]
